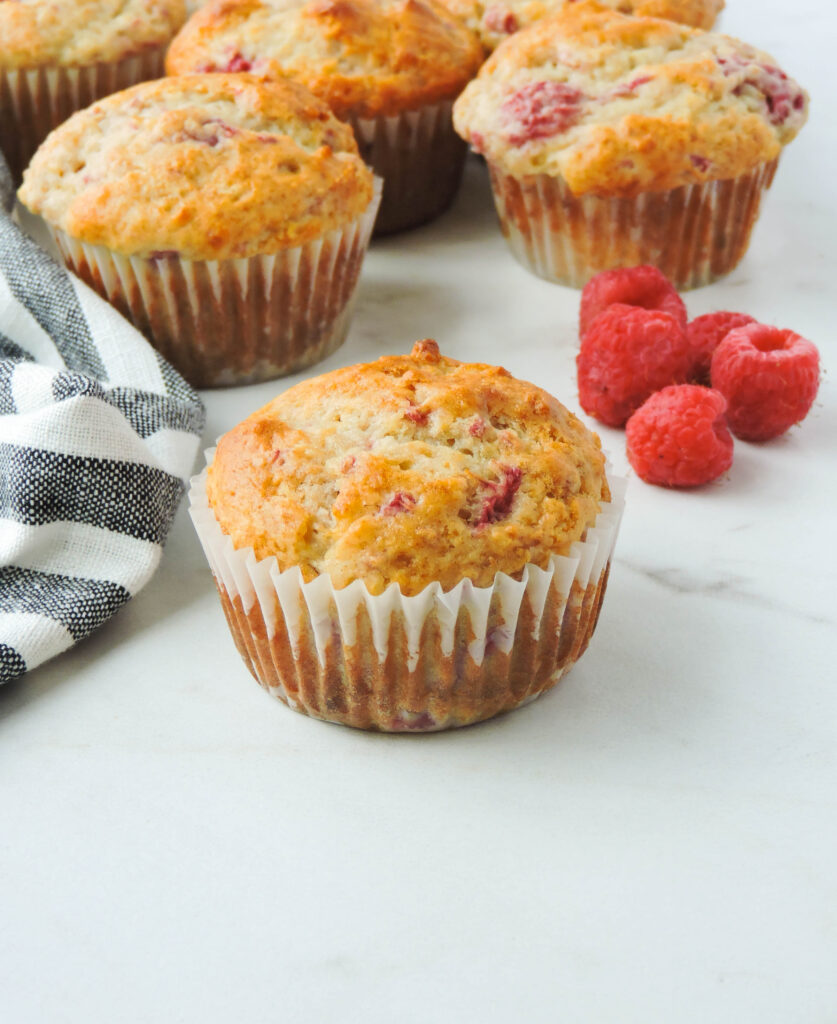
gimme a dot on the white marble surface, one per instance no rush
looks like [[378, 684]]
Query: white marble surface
[[656, 840]]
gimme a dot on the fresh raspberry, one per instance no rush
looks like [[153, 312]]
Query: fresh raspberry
[[679, 437], [627, 354], [704, 334], [769, 378], [634, 286]]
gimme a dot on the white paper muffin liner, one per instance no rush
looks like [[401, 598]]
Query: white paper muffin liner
[[394, 663], [694, 234], [239, 321], [419, 156], [33, 101]]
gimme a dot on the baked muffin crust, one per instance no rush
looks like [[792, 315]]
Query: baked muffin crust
[[408, 470], [619, 105], [80, 32], [363, 57], [495, 20], [203, 166]]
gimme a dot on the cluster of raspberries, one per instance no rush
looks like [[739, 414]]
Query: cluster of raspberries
[[679, 386]]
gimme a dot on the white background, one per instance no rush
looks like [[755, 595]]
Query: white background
[[656, 840]]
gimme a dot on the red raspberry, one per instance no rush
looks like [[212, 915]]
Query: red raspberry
[[627, 354], [769, 378], [705, 333], [635, 286], [679, 437]]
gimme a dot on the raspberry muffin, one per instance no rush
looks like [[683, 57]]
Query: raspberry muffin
[[615, 141], [57, 56], [225, 216], [390, 68], [495, 20], [411, 544]]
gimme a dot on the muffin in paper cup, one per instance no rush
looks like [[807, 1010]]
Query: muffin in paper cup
[[229, 322], [367, 638], [694, 234], [613, 141], [419, 156], [225, 216], [52, 66], [352, 54]]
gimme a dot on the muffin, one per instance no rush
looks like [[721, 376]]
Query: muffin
[[495, 21], [411, 544], [58, 56], [390, 68], [614, 141], [225, 216]]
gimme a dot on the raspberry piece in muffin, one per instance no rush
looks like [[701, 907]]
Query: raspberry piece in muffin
[[705, 333], [643, 286], [769, 378], [539, 110], [501, 20], [236, 64], [780, 94], [499, 495], [679, 437], [627, 354]]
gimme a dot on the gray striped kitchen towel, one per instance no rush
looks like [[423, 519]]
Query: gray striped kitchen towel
[[97, 437]]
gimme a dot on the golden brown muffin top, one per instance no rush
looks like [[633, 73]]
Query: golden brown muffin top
[[204, 167], [81, 32], [618, 105], [363, 57], [409, 470], [495, 20]]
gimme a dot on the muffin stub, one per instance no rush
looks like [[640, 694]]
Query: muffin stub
[[204, 167], [366, 58], [617, 105], [409, 470], [81, 32], [496, 20]]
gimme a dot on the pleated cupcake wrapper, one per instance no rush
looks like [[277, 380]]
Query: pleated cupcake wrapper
[[419, 156], [239, 321], [694, 234], [33, 101], [396, 663]]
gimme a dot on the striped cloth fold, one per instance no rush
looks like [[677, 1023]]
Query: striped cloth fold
[[98, 435]]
